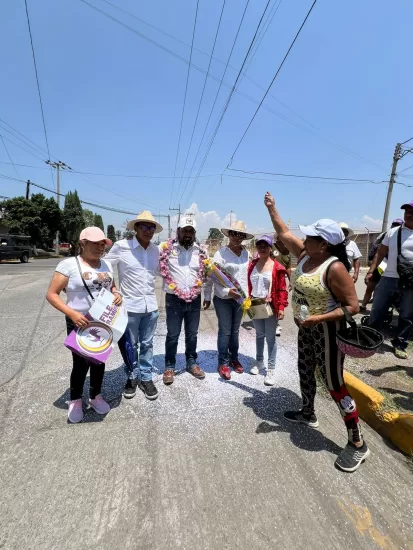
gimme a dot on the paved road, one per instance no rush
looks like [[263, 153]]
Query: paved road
[[210, 465]]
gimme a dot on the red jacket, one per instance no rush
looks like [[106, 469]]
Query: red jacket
[[279, 294]]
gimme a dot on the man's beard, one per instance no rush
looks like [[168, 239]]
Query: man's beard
[[186, 242]]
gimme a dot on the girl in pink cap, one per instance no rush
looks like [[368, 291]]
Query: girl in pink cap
[[82, 277]]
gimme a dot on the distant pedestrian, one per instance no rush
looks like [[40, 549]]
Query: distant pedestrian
[[234, 258], [137, 260], [353, 253], [183, 269], [397, 245], [323, 285], [266, 280], [371, 282], [283, 256], [82, 277]]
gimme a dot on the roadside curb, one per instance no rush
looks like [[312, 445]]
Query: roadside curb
[[398, 427]]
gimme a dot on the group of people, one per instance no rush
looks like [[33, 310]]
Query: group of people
[[321, 282]]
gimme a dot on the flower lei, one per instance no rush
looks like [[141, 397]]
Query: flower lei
[[195, 291]]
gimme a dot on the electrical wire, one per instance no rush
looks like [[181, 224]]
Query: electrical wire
[[405, 169], [20, 147], [273, 80], [407, 141], [184, 104], [38, 86], [228, 100], [301, 176], [8, 154], [200, 101]]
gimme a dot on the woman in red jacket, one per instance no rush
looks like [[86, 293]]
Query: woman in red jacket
[[266, 279]]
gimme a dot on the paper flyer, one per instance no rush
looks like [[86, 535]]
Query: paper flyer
[[107, 325]]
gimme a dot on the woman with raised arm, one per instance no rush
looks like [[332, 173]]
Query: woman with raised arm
[[322, 287]]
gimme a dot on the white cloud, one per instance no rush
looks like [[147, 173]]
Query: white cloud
[[370, 223]]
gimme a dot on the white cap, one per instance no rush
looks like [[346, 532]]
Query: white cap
[[329, 230], [187, 221]]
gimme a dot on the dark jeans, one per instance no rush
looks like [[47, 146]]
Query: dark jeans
[[384, 295], [79, 372], [178, 310], [229, 314]]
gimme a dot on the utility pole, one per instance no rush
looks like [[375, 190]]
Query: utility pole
[[169, 226], [179, 216], [59, 165], [396, 157], [27, 189], [230, 217]]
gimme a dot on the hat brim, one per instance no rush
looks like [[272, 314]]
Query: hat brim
[[132, 223], [349, 231], [407, 205], [308, 230], [226, 231]]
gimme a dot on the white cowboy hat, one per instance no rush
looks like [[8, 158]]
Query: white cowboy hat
[[144, 216], [343, 225], [237, 226]]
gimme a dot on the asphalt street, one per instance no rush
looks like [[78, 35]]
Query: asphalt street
[[210, 465]]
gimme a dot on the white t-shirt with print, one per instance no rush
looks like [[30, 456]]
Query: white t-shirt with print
[[96, 278], [390, 240], [353, 252]]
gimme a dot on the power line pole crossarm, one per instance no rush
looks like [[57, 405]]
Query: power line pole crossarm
[[396, 157]]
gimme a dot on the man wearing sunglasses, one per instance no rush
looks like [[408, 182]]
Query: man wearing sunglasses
[[138, 265]]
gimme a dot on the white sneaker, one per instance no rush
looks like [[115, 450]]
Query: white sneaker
[[99, 404], [75, 413], [257, 367], [278, 331], [269, 379]]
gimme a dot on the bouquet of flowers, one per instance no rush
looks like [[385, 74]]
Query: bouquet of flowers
[[218, 275]]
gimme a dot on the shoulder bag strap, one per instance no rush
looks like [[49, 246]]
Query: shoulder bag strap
[[83, 280], [399, 241]]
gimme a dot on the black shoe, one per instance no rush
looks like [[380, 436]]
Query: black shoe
[[149, 389], [130, 389], [298, 416], [351, 457]]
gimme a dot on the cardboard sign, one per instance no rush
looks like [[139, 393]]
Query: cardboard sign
[[107, 323]]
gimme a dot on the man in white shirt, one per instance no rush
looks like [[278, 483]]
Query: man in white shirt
[[138, 265], [353, 252], [181, 266], [390, 285]]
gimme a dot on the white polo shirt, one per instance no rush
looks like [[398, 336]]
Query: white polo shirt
[[390, 240], [137, 268]]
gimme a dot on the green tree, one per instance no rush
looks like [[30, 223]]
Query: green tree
[[73, 220], [110, 233], [215, 234], [88, 218], [38, 217], [98, 222]]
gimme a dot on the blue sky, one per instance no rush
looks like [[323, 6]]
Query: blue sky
[[113, 104]]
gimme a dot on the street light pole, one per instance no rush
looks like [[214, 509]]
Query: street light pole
[[57, 166], [396, 157]]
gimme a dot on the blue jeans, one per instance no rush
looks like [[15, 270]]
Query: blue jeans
[[229, 314], [265, 330], [136, 345], [178, 310], [385, 293]]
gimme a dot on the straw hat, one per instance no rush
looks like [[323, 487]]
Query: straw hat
[[237, 226], [345, 226], [144, 216]]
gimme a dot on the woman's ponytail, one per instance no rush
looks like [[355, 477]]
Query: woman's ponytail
[[340, 252]]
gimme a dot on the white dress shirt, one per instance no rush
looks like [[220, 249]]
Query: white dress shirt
[[184, 268], [137, 268], [260, 282], [237, 267]]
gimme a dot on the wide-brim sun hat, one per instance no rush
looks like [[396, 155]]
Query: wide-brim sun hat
[[94, 235], [329, 230], [238, 226], [143, 217], [358, 341], [345, 226]]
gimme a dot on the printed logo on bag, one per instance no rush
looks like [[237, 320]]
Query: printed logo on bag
[[95, 338]]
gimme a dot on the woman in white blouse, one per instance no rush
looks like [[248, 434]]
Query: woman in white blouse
[[234, 258]]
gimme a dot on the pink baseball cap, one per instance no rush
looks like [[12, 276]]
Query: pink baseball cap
[[94, 234]]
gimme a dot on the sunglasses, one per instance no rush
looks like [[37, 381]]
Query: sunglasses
[[237, 234], [145, 227]]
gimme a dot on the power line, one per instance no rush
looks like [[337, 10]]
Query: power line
[[38, 85], [8, 154], [228, 100], [184, 105], [300, 176], [308, 181], [405, 169], [218, 91], [22, 136], [202, 97], [20, 147], [322, 136], [407, 141], [275, 76]]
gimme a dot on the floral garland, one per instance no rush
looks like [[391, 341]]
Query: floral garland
[[195, 291]]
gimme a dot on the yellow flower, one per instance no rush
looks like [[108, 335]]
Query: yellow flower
[[199, 282], [164, 245], [207, 262], [246, 305], [172, 286]]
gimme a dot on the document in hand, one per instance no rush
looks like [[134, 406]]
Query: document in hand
[[107, 323]]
